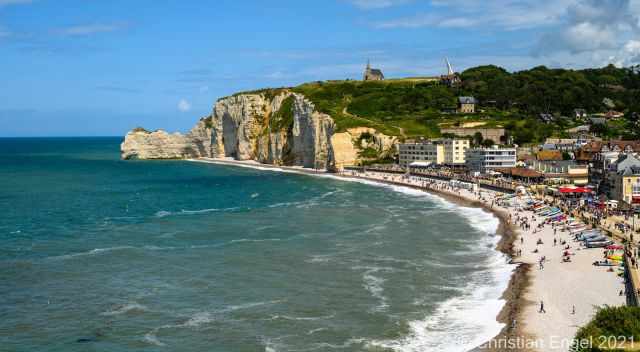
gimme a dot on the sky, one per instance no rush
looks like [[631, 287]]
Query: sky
[[101, 68]]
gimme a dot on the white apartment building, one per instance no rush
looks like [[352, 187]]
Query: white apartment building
[[483, 159], [455, 151], [437, 151]]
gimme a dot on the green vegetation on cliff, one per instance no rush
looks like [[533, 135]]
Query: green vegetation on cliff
[[283, 118], [409, 108]]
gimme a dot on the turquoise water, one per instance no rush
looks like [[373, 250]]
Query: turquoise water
[[99, 254]]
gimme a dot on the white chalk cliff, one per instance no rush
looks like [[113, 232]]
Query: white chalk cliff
[[283, 129]]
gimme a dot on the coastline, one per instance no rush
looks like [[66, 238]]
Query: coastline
[[520, 280]]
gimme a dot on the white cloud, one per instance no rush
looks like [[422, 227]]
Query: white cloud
[[184, 105], [377, 4], [602, 31], [83, 30], [503, 14]]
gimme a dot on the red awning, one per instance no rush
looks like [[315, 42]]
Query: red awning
[[575, 190]]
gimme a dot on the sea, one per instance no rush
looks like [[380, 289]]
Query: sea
[[101, 254]]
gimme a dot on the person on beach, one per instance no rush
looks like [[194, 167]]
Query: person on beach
[[542, 307], [573, 310]]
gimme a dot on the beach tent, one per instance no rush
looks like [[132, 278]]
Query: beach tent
[[420, 164], [575, 190]]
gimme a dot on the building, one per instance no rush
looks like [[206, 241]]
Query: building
[[484, 159], [580, 114], [549, 155], [372, 74], [564, 144], [494, 134], [466, 105], [450, 152], [602, 156], [455, 151], [560, 171], [546, 118], [623, 180], [426, 152]]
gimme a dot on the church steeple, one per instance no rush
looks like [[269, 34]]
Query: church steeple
[[450, 71], [368, 65]]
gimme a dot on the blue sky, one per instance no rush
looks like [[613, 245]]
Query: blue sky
[[79, 67]]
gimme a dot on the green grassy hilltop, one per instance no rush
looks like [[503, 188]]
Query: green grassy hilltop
[[413, 107]]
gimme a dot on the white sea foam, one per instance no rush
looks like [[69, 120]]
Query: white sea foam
[[375, 284], [162, 213], [199, 319], [152, 339], [288, 317], [165, 213], [480, 219], [130, 307], [202, 318], [320, 258], [242, 240], [313, 331], [463, 322], [95, 251]]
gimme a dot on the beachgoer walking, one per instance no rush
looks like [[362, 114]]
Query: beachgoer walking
[[542, 307]]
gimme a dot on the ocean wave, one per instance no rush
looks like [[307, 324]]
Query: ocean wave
[[460, 323], [332, 346], [122, 309], [152, 339], [313, 331], [165, 213], [320, 258], [288, 317], [162, 213], [198, 319], [481, 219], [92, 252], [242, 240], [374, 284]]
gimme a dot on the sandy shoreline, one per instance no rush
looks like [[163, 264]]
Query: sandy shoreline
[[570, 284]]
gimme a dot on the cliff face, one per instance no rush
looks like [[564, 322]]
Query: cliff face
[[282, 129], [349, 146]]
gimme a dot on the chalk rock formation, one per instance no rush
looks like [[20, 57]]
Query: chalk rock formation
[[284, 130], [348, 145], [142, 144]]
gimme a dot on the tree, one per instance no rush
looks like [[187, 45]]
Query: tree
[[477, 138], [488, 143]]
